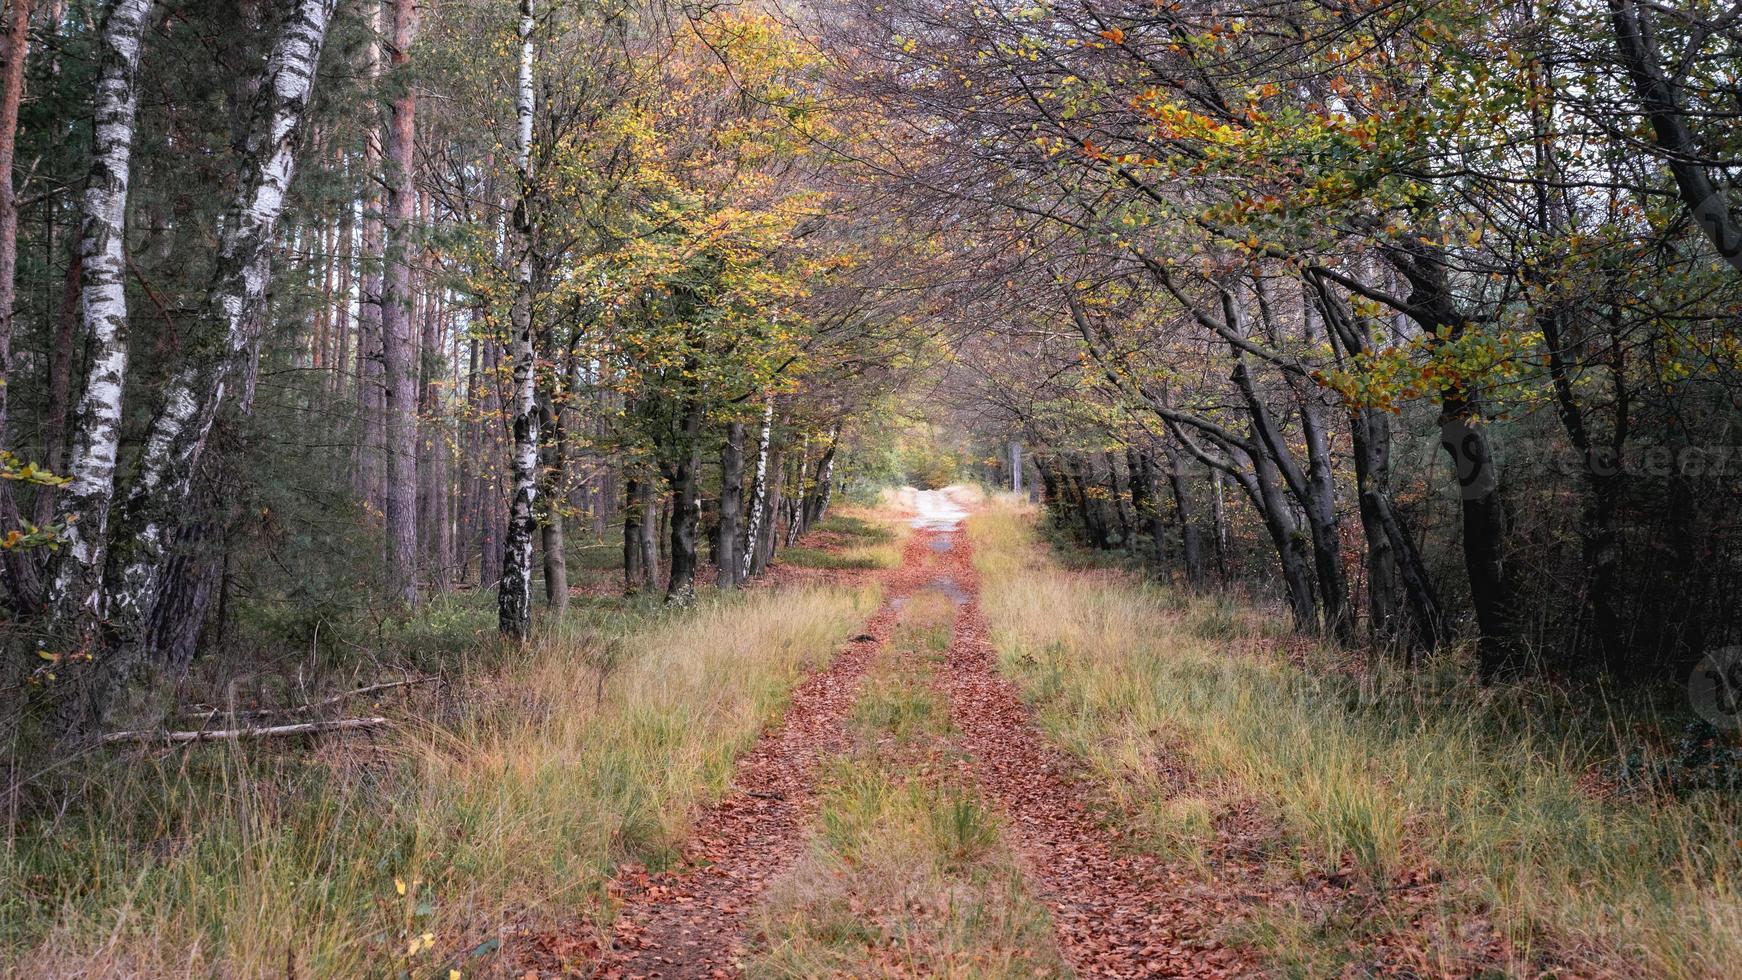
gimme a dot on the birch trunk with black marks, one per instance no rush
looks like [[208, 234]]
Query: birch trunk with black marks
[[514, 593], [758, 507], [75, 593], [399, 495], [149, 519]]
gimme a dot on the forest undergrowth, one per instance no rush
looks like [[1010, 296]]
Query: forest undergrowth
[[1409, 819], [497, 804]]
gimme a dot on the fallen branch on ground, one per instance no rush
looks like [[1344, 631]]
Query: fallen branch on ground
[[206, 711], [213, 734]]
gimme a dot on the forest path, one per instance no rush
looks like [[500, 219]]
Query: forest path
[[1116, 911], [692, 921]]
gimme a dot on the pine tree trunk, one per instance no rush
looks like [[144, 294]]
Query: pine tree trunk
[[370, 394], [399, 497], [60, 385], [20, 568], [96, 443], [17, 45]]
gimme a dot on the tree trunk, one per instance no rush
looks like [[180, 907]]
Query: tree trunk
[[399, 497], [1500, 647], [1315, 493], [1191, 549], [634, 560], [156, 504], [758, 517], [1146, 522], [686, 509], [822, 488], [648, 501], [1262, 486], [553, 468], [514, 596], [1393, 560], [729, 560], [20, 568], [764, 552], [1682, 152], [96, 443], [1117, 502], [432, 464], [60, 385], [370, 396], [16, 44], [1219, 523]]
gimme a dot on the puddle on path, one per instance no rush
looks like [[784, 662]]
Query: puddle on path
[[948, 585]]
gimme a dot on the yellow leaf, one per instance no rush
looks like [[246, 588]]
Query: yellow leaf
[[399, 886]]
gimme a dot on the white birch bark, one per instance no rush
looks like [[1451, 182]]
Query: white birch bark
[[514, 591], [196, 391], [758, 492], [103, 313]]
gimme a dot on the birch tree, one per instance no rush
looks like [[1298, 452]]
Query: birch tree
[[192, 398], [103, 304], [514, 592]]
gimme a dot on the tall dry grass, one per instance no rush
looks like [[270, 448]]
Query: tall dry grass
[[1389, 768], [906, 875], [421, 853]]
